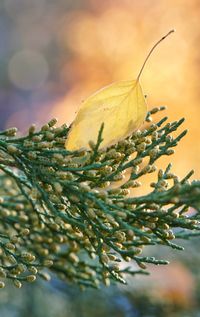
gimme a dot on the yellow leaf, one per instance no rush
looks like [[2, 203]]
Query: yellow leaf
[[120, 106]]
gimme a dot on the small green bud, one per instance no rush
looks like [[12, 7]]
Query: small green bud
[[25, 232], [58, 188], [45, 127], [104, 258], [10, 246], [33, 269], [28, 256], [45, 276], [48, 263], [17, 283], [11, 132], [2, 273], [52, 122], [12, 149], [73, 257], [32, 129], [31, 278]]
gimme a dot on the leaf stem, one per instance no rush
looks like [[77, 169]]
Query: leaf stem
[[151, 51]]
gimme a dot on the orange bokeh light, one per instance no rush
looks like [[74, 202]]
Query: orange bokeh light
[[109, 43]]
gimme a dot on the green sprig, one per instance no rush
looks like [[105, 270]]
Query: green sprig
[[79, 213]]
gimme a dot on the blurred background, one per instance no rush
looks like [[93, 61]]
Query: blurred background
[[54, 54]]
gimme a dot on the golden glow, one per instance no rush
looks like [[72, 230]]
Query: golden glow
[[111, 43], [107, 41]]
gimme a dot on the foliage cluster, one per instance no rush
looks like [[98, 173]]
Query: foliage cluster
[[78, 213]]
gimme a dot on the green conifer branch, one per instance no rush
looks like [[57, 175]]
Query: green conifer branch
[[78, 214]]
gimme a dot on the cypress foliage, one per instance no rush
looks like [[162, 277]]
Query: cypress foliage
[[78, 214]]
